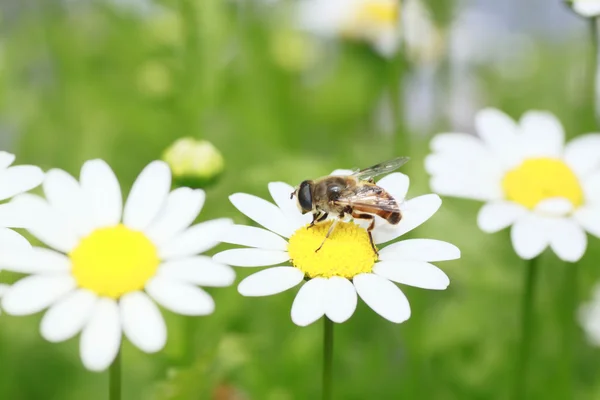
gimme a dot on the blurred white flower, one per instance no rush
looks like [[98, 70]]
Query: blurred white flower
[[589, 317], [101, 276], [586, 8], [14, 180], [374, 21], [422, 39], [194, 162], [345, 265], [548, 192]]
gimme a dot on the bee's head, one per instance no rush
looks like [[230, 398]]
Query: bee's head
[[304, 196]]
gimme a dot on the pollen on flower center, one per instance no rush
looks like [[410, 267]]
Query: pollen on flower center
[[114, 261], [538, 179], [346, 253]]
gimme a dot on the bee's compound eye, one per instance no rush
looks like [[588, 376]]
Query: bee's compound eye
[[305, 196]]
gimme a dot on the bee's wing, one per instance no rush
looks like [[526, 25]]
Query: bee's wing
[[368, 198], [382, 168]]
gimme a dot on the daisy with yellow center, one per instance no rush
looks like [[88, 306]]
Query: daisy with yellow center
[[374, 21], [548, 191], [346, 266], [109, 261]]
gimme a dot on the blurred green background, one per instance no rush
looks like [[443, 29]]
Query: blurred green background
[[123, 79]]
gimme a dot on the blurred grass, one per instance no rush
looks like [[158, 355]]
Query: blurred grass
[[92, 80]]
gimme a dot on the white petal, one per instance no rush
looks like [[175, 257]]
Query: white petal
[[103, 192], [148, 195], [3, 289], [420, 250], [142, 322], [554, 207], [498, 215], [568, 240], [101, 337], [587, 8], [254, 237], [35, 260], [195, 240], [19, 179], [499, 132], [413, 273], [271, 281], [35, 293], [530, 236], [589, 218], [542, 135], [581, 153], [180, 298], [6, 159], [12, 217], [200, 270], [340, 299], [395, 184], [309, 304], [453, 143], [11, 241], [467, 186], [263, 213], [281, 194], [251, 257], [414, 213], [44, 222], [66, 196], [68, 316], [385, 298], [180, 210], [591, 187]]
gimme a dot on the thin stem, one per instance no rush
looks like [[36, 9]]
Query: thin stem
[[327, 357], [527, 327], [569, 327], [115, 378], [594, 84]]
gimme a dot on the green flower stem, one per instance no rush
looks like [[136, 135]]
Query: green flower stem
[[569, 327], [327, 357], [527, 327], [115, 378]]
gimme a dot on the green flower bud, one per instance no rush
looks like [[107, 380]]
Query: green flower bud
[[194, 163]]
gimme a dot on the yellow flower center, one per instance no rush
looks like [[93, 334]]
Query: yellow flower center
[[539, 179], [114, 261], [347, 252], [380, 12], [373, 14]]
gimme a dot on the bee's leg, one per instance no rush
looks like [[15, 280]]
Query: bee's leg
[[331, 228], [323, 217], [369, 229], [316, 217]]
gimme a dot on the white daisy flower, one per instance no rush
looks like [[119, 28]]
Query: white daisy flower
[[586, 8], [109, 260], [13, 181], [374, 21], [589, 317], [345, 265], [548, 192]]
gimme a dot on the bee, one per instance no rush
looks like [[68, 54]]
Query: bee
[[354, 195]]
